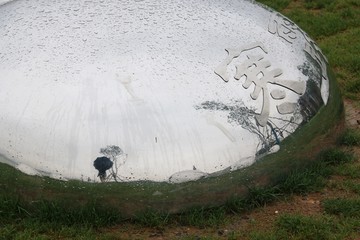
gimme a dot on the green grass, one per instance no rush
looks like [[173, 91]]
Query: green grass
[[354, 187], [318, 4], [27, 230], [304, 181], [313, 178], [257, 197], [201, 217], [335, 157], [265, 235], [195, 237], [90, 214], [350, 137], [301, 227], [151, 218], [342, 51], [343, 207], [349, 170], [313, 228]]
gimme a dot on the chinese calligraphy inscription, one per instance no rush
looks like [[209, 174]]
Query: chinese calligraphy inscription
[[256, 70], [286, 29], [283, 27]]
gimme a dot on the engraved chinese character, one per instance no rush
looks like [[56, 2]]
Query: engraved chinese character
[[283, 27], [221, 70], [288, 30], [256, 70]]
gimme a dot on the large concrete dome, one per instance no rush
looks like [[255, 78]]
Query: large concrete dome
[[165, 90]]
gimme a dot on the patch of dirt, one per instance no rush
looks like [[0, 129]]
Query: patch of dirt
[[260, 219], [352, 115]]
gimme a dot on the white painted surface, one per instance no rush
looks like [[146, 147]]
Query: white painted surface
[[187, 175], [27, 169], [77, 76], [2, 2]]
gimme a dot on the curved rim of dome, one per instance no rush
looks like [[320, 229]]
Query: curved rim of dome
[[131, 198]]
